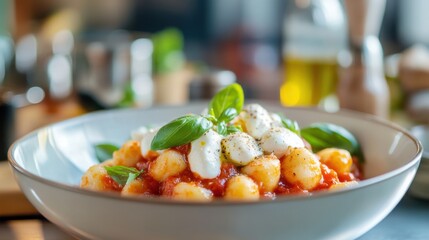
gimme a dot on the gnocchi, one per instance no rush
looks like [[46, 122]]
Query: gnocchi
[[169, 163], [301, 167], [190, 191], [264, 170], [241, 187], [128, 155], [94, 179], [339, 160], [244, 153]]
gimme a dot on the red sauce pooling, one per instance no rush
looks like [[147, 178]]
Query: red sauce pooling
[[110, 184], [151, 186], [183, 149], [166, 188], [217, 185], [329, 178], [285, 188]]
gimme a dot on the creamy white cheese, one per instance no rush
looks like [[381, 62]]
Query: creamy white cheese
[[277, 140], [204, 157], [240, 148], [256, 119], [139, 133], [146, 141], [277, 120]]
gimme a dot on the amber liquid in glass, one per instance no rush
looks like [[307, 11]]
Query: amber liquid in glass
[[307, 82]]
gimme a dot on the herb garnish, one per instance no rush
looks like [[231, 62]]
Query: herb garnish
[[104, 151], [290, 124], [122, 175], [224, 107], [180, 131], [326, 135]]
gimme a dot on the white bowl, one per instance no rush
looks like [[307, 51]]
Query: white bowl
[[420, 185], [49, 162]]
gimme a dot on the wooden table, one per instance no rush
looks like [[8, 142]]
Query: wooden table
[[12, 201], [19, 220]]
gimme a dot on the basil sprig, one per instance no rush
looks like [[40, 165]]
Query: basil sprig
[[122, 175], [228, 114], [180, 131], [104, 151], [230, 97], [326, 135], [224, 107]]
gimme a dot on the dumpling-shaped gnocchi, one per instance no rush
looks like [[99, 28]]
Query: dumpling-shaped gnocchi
[[241, 187], [265, 171], [134, 188], [128, 155], [338, 159], [301, 167], [169, 163], [190, 191], [93, 178]]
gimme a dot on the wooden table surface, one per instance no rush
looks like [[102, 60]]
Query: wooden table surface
[[12, 201], [19, 220]]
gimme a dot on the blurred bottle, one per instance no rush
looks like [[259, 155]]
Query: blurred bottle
[[362, 85], [315, 32]]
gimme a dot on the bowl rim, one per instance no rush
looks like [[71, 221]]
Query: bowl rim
[[165, 201], [421, 129]]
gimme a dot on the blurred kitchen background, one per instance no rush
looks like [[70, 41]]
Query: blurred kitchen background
[[64, 58]]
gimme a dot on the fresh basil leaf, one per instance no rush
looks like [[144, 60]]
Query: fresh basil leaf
[[326, 135], [291, 125], [180, 131], [211, 118], [104, 151], [233, 129], [227, 115], [211, 112], [221, 128], [121, 174], [230, 97]]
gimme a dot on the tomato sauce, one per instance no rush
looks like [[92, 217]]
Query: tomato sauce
[[285, 188], [151, 186], [166, 188], [110, 184], [218, 185], [183, 149], [329, 178]]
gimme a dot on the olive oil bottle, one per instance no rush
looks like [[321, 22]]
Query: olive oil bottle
[[308, 81]]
